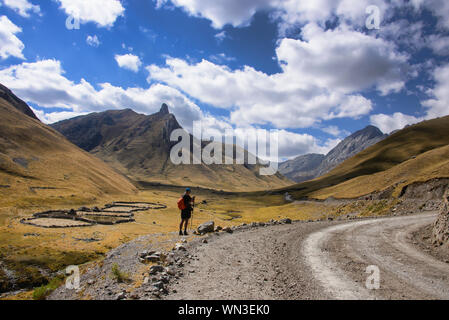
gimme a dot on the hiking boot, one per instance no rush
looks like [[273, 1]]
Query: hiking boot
[[185, 233], [180, 233]]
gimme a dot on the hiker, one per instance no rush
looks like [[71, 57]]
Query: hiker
[[185, 204]]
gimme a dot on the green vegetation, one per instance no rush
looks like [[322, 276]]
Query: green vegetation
[[119, 275], [44, 291]]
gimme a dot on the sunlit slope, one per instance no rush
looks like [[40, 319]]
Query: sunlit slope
[[415, 153], [38, 162]]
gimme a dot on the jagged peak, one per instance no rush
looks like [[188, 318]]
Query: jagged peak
[[164, 109]]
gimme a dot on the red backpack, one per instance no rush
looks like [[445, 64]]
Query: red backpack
[[181, 204]]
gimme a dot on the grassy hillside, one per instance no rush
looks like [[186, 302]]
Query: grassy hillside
[[37, 164], [416, 153]]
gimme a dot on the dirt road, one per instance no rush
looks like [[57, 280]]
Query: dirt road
[[322, 260]]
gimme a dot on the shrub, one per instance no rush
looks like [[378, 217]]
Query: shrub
[[118, 275], [42, 292]]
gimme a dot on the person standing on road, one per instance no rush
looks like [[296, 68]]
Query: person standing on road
[[186, 211]]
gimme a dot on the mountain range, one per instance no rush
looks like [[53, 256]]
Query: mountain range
[[138, 146], [417, 153], [311, 166]]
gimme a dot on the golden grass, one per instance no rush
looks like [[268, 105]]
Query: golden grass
[[427, 166], [416, 153]]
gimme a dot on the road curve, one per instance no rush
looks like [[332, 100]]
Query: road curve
[[325, 260], [339, 255]]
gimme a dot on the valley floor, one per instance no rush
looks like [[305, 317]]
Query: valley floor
[[258, 262]]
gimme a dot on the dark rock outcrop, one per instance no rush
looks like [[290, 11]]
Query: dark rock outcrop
[[312, 166], [17, 103]]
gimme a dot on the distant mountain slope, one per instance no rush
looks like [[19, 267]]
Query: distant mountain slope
[[302, 168], [139, 147], [416, 153], [38, 162], [312, 166], [17, 103]]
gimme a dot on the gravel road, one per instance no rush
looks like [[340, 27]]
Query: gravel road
[[321, 260]]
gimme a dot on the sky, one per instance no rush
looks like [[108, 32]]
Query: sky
[[313, 71]]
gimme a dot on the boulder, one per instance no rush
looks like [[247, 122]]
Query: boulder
[[153, 258], [156, 269], [206, 227]]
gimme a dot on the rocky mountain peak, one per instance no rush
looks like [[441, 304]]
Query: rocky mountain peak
[[164, 109]]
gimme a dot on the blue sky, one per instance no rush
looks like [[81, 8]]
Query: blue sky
[[313, 71]]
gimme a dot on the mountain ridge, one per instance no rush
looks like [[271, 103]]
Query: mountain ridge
[[311, 166]]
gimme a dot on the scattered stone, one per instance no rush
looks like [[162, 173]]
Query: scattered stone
[[228, 230], [156, 269], [159, 285], [153, 258], [204, 241], [170, 271], [218, 229], [180, 247], [206, 227], [121, 296], [286, 221], [31, 235]]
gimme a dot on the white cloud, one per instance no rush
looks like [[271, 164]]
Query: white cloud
[[221, 36], [440, 8], [22, 7], [221, 58], [43, 83], [93, 41], [320, 79], [239, 13], [221, 12], [129, 61], [437, 106], [53, 117], [439, 44], [397, 121], [10, 45], [102, 12], [335, 131]]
